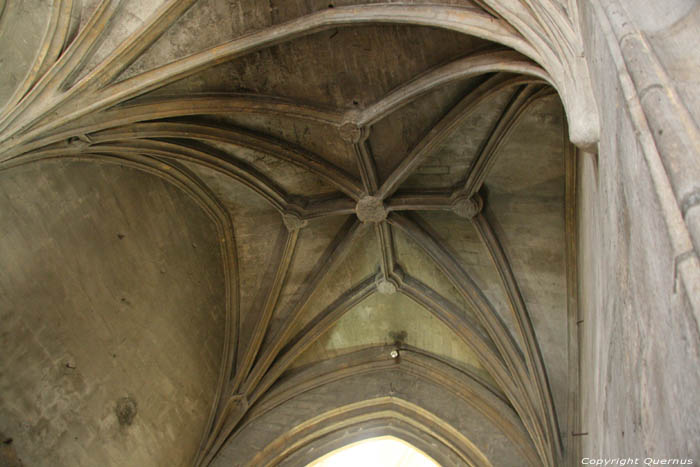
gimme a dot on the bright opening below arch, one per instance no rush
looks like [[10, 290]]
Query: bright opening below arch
[[386, 451]]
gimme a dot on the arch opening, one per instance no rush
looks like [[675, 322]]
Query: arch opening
[[386, 451]]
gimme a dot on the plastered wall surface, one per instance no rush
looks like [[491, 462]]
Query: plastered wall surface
[[111, 361]]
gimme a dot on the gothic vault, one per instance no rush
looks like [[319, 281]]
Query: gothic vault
[[245, 232]]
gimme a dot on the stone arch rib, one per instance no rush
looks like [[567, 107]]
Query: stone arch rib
[[418, 364], [465, 20], [380, 409]]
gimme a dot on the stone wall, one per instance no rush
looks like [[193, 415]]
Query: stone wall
[[640, 347]]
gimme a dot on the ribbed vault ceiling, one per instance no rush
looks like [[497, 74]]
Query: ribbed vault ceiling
[[375, 176]]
